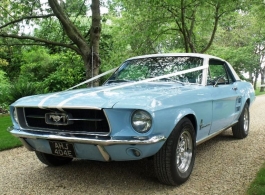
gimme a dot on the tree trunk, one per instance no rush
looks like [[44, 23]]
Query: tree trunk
[[250, 75], [262, 75], [256, 79], [95, 30], [89, 53]]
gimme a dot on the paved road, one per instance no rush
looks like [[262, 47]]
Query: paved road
[[223, 166]]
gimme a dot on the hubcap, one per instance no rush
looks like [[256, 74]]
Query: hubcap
[[246, 120], [184, 151]]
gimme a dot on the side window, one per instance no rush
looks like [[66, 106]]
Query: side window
[[218, 73]]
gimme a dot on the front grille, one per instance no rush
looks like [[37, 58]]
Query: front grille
[[81, 120]]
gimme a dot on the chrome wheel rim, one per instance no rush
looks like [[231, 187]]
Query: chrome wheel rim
[[246, 120], [184, 151]]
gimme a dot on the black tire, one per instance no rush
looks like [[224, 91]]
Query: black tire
[[175, 160], [52, 160], [241, 128]]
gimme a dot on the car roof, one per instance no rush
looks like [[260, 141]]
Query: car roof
[[176, 54], [204, 56]]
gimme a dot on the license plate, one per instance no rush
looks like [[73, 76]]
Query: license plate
[[62, 149]]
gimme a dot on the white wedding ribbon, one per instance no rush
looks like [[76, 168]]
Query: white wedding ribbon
[[60, 105], [94, 78]]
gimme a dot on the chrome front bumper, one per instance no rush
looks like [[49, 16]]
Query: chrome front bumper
[[100, 143], [136, 140]]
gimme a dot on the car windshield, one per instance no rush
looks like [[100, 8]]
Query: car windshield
[[151, 67]]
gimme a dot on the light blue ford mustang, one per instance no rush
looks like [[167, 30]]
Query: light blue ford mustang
[[158, 106]]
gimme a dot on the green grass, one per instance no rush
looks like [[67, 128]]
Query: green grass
[[257, 187], [257, 92], [7, 141]]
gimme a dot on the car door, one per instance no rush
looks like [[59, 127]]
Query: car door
[[224, 95]]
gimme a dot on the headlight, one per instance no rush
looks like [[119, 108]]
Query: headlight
[[15, 115], [141, 121]]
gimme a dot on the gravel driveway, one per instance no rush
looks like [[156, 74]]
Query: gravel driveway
[[223, 165]]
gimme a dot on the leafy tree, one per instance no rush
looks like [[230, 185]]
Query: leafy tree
[[37, 64], [3, 79], [4, 85], [258, 12], [166, 25], [51, 72], [3, 62], [241, 41], [69, 71], [17, 15]]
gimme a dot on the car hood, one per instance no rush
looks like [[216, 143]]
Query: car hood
[[118, 96]]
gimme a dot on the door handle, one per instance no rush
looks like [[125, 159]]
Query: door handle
[[234, 88]]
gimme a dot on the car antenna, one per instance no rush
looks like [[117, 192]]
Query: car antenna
[[92, 64]]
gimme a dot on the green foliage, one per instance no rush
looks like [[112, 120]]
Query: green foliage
[[165, 25], [4, 85], [12, 56], [240, 41], [242, 59], [3, 56], [257, 187], [3, 79], [64, 78], [3, 62], [11, 13], [7, 140], [37, 64], [21, 89], [52, 72], [69, 72], [257, 92], [3, 99], [11, 92]]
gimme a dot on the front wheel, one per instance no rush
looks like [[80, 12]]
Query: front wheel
[[175, 160], [52, 160], [241, 129]]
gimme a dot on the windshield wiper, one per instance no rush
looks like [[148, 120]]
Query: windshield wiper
[[117, 81], [169, 80]]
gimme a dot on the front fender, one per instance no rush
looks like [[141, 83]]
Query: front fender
[[165, 121]]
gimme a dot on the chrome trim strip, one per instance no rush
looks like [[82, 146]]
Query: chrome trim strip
[[102, 142], [213, 135], [110, 130], [25, 118], [35, 116], [79, 107], [104, 153], [88, 119], [71, 119], [56, 131], [67, 107]]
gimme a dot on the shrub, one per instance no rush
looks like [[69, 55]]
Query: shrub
[[22, 89], [4, 86], [64, 78]]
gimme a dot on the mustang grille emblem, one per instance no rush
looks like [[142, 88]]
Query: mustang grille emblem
[[58, 118]]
